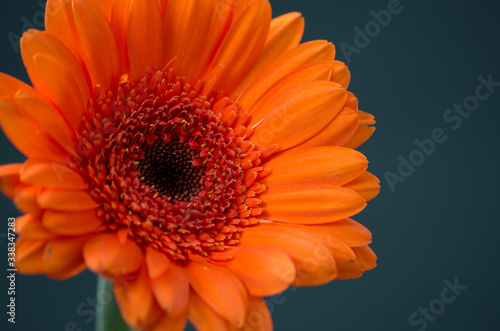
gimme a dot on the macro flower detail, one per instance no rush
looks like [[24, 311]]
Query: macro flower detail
[[194, 152]]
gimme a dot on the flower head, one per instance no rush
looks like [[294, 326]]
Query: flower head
[[192, 151]]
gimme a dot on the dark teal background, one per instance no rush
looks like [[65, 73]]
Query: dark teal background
[[441, 223]]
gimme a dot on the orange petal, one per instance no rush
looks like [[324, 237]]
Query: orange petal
[[71, 223], [60, 23], [297, 114], [48, 117], [9, 178], [62, 258], [364, 131], [283, 65], [10, 85], [170, 323], [43, 55], [22, 221], [341, 74], [328, 165], [337, 133], [203, 317], [345, 257], [65, 200], [29, 255], [144, 38], [222, 291], [172, 291], [313, 261], [51, 174], [137, 296], [264, 270], [35, 230], [185, 26], [25, 198], [259, 317], [104, 6], [119, 24], [27, 135], [311, 203], [240, 48], [304, 74], [350, 231], [366, 185], [105, 254], [367, 255], [157, 263], [98, 43], [285, 32]]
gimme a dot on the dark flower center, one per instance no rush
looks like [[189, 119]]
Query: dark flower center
[[168, 168]]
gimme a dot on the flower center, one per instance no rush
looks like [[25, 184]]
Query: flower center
[[171, 168]]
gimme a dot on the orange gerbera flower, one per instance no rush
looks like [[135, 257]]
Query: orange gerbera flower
[[192, 151]]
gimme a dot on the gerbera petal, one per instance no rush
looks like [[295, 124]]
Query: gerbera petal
[[171, 290], [105, 254], [27, 135], [9, 178], [350, 231], [369, 259], [341, 74], [51, 174], [329, 165], [264, 270], [366, 185], [60, 23], [156, 262], [219, 289], [26, 197], [43, 55], [71, 223], [259, 317], [22, 221], [29, 255], [284, 64], [98, 43], [311, 203], [170, 323], [285, 33], [313, 261], [136, 294], [10, 85], [144, 37], [62, 258], [345, 257], [47, 117], [311, 72], [119, 24], [337, 133], [185, 26], [35, 230], [297, 114], [240, 48], [364, 130], [203, 317], [65, 200]]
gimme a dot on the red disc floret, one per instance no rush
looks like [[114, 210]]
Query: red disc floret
[[171, 167]]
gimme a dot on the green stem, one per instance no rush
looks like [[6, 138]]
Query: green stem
[[108, 315]]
